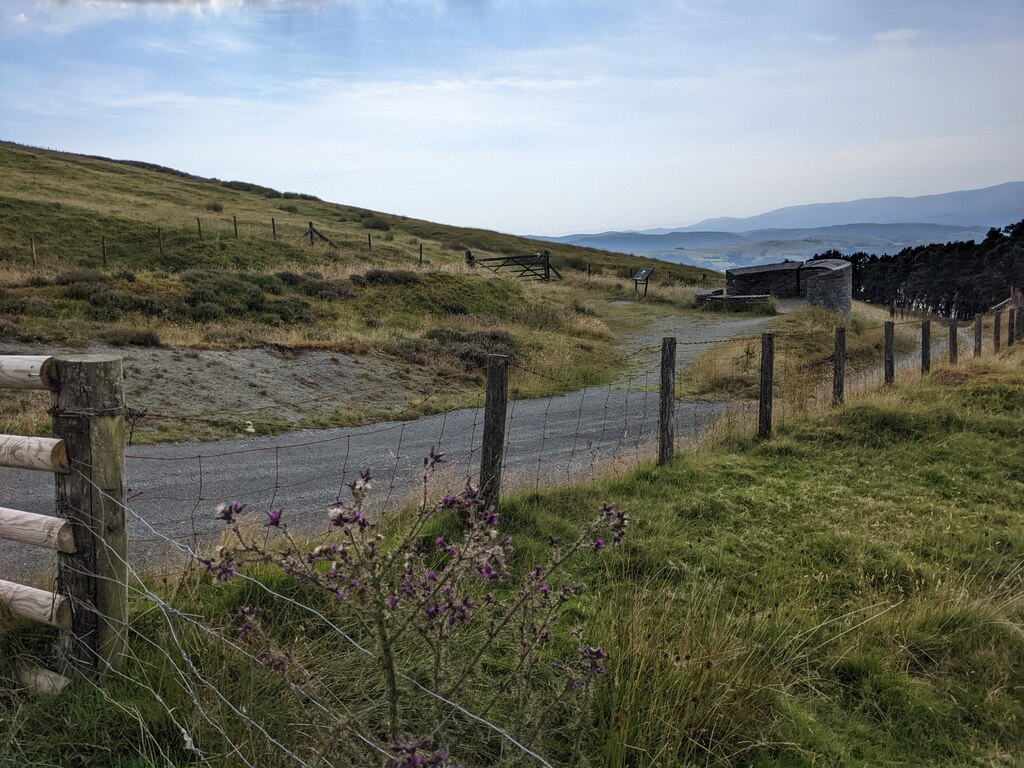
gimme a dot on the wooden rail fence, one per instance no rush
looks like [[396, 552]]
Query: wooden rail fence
[[86, 457]]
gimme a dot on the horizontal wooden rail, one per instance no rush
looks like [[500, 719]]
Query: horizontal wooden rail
[[26, 372], [36, 604], [38, 530], [43, 453], [42, 681]]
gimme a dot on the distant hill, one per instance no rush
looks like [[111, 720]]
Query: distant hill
[[882, 225], [725, 250], [995, 206]]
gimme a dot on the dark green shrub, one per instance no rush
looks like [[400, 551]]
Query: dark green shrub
[[288, 208], [205, 312], [376, 222], [215, 207], [387, 277], [82, 291], [112, 304], [79, 276], [130, 337]]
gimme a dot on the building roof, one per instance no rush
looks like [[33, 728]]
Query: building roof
[[781, 266], [833, 264]]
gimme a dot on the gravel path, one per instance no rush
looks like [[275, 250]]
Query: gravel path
[[174, 488]]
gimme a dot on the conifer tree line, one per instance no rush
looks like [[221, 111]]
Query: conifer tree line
[[958, 279]]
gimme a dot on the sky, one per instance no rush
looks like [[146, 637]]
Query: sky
[[532, 116]]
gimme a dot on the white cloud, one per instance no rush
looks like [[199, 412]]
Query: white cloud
[[21, 18]]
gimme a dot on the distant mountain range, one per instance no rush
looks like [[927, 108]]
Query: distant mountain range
[[875, 225]]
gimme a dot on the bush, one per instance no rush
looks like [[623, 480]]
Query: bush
[[387, 277], [376, 222], [215, 207], [288, 208], [112, 304], [131, 337]]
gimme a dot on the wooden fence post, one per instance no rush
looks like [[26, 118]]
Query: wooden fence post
[[890, 355], [495, 406], [997, 331], [421, 254], [369, 241], [234, 220], [199, 226], [926, 346], [160, 240], [1020, 323], [273, 227], [839, 368], [35, 261], [88, 415], [977, 335], [764, 410], [667, 403], [104, 245], [954, 339]]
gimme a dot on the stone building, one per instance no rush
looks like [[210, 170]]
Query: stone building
[[823, 282]]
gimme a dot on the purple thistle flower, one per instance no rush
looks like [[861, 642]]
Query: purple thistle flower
[[229, 511], [274, 518], [543, 588], [392, 602], [598, 544]]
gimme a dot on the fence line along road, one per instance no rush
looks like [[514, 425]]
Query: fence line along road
[[546, 441]]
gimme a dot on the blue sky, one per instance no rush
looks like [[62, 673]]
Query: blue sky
[[532, 116]]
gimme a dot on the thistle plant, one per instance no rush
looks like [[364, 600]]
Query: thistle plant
[[414, 587]]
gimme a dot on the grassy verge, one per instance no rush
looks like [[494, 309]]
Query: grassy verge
[[847, 593], [804, 342]]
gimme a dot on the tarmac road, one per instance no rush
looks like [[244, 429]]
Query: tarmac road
[[174, 488]]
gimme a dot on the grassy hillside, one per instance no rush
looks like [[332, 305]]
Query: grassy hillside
[[848, 593], [134, 254]]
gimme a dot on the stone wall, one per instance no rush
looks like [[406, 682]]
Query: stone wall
[[782, 283], [829, 288]]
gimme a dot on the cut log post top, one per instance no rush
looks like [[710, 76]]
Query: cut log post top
[[43, 453], [26, 372], [36, 530], [36, 604]]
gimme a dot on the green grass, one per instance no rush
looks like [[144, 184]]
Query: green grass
[[161, 285], [804, 344], [847, 593]]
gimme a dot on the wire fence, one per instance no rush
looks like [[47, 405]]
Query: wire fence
[[550, 439]]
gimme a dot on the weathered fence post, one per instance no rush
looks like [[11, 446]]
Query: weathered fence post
[[495, 406], [997, 331], [1020, 323], [839, 368], [199, 226], [890, 355], [421, 254], [667, 404], [160, 241], [104, 245], [926, 346], [273, 228], [311, 234], [954, 337], [977, 335], [234, 220], [764, 409], [88, 415], [35, 261], [369, 241]]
